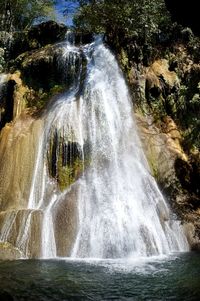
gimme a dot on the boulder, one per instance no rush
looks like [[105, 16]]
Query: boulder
[[39, 67], [47, 33], [46, 67], [36, 37]]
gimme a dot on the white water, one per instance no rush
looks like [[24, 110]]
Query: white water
[[121, 212]]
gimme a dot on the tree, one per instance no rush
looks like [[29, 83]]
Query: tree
[[121, 17], [21, 14]]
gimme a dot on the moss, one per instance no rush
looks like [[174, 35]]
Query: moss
[[38, 99], [5, 245], [9, 252], [153, 166], [124, 58], [66, 161], [67, 175]]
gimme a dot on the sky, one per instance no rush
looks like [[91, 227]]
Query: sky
[[61, 6]]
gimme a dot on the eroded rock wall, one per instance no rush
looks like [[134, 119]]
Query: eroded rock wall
[[166, 98]]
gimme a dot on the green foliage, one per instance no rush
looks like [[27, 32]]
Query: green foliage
[[68, 174], [188, 112], [39, 99], [2, 61], [66, 162], [21, 14], [121, 17]]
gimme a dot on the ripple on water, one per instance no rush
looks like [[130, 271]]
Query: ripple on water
[[169, 278]]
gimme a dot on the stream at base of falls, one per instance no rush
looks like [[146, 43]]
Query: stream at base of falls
[[80, 188], [175, 277]]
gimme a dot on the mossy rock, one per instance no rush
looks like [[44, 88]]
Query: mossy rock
[[9, 252], [66, 160], [37, 100], [68, 174], [46, 67]]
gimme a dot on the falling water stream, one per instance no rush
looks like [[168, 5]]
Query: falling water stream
[[120, 212]]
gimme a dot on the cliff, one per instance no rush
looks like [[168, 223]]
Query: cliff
[[164, 83], [164, 78]]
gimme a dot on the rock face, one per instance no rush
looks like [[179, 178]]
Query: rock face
[[36, 65], [166, 96], [21, 222], [177, 175], [38, 36], [66, 222], [47, 33], [35, 76], [9, 252], [44, 68], [64, 167], [14, 139], [36, 71]]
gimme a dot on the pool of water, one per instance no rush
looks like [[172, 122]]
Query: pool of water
[[169, 278]]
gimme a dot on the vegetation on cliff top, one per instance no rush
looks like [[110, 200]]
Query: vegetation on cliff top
[[21, 14], [120, 18]]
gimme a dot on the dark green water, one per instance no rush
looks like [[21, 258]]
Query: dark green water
[[173, 278]]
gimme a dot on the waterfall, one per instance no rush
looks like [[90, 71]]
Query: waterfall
[[3, 78], [91, 183]]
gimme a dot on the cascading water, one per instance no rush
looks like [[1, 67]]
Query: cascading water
[[111, 207], [121, 211]]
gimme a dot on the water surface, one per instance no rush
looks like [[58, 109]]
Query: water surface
[[172, 278]]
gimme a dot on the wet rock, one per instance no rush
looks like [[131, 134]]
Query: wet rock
[[9, 252], [82, 38], [2, 60], [38, 36], [176, 173], [22, 235], [46, 67], [35, 66], [65, 216], [65, 160], [18, 147]]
